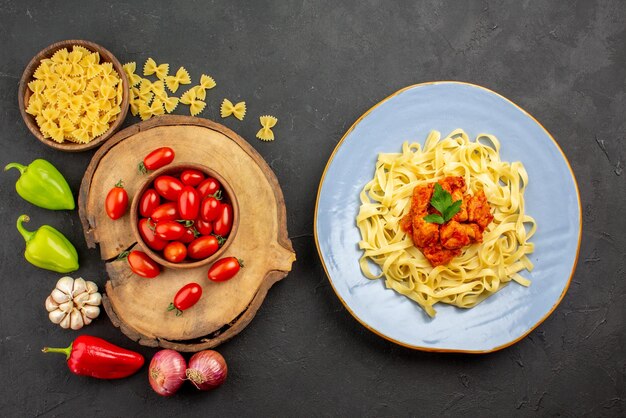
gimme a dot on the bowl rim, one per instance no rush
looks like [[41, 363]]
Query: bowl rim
[[176, 168], [27, 76]]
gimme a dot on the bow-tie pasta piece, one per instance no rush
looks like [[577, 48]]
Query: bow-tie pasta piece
[[151, 67], [238, 110], [170, 103], [267, 123], [174, 81], [206, 83], [129, 69]]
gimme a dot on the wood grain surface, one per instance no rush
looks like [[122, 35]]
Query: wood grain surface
[[138, 305]]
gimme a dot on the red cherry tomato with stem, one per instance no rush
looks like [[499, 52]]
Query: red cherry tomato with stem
[[189, 203], [150, 200], [146, 230], [192, 177], [165, 212], [156, 159], [169, 230], [175, 252], [203, 247], [116, 201], [224, 222], [190, 234], [143, 265], [225, 269], [208, 187], [185, 298], [210, 208], [168, 187], [203, 227]]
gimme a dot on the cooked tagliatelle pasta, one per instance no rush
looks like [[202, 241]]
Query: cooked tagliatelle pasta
[[481, 269]]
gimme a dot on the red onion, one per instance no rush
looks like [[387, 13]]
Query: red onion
[[207, 369], [167, 372]]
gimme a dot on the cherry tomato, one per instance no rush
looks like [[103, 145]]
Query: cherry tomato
[[143, 265], [208, 187], [169, 187], [156, 159], [203, 247], [165, 212], [210, 209], [224, 269], [150, 200], [169, 230], [116, 201], [175, 252], [189, 235], [203, 227], [224, 222], [147, 234], [192, 177], [189, 203], [186, 297]]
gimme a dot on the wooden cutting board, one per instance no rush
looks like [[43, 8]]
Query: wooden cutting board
[[138, 305]]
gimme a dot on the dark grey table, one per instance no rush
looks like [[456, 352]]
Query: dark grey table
[[318, 66]]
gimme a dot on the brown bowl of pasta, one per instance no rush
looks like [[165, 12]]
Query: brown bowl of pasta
[[73, 95]]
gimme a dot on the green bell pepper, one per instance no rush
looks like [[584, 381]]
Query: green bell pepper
[[43, 185], [47, 248]]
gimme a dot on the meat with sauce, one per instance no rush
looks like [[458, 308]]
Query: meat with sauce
[[441, 243]]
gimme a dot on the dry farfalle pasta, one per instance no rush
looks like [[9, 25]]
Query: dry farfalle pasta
[[151, 67], [74, 96], [206, 83], [267, 123], [148, 98], [181, 77], [238, 110], [129, 69], [190, 98]]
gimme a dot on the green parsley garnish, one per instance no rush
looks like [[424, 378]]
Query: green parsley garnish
[[442, 201]]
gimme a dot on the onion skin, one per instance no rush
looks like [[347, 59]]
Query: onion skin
[[207, 369], [167, 372]]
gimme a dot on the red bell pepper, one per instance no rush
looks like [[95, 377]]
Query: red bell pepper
[[95, 357]]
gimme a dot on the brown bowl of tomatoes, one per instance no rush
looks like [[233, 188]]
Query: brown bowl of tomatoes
[[184, 215]]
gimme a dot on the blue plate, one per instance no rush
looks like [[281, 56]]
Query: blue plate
[[551, 198]]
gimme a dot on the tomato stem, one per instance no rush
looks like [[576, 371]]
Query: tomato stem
[[185, 222], [220, 239], [120, 184], [240, 261], [217, 195], [123, 255], [172, 307], [142, 168]]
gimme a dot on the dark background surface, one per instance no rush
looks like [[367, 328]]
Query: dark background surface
[[318, 66]]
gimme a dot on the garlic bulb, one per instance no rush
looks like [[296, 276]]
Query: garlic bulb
[[73, 303]]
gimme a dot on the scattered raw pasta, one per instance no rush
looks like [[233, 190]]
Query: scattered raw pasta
[[146, 111], [238, 110], [129, 69], [267, 123], [181, 77], [170, 103], [74, 96], [195, 105], [151, 67], [206, 83]]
